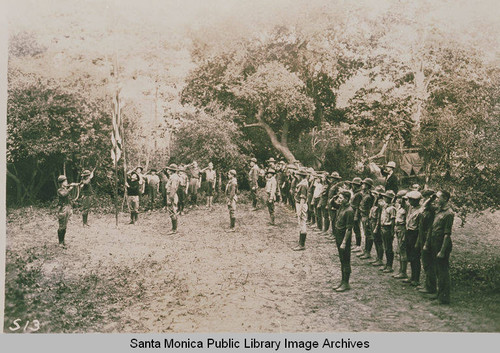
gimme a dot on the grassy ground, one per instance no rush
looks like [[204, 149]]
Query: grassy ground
[[203, 279]]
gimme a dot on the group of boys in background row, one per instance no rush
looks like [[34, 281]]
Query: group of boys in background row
[[420, 220]]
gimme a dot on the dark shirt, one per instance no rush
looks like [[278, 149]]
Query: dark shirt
[[443, 222], [345, 218], [366, 203], [332, 192], [133, 188], [392, 183], [426, 220], [324, 195], [86, 190]]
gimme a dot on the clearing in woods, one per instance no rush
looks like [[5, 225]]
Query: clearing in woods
[[203, 279]]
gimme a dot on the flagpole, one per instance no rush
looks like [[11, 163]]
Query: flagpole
[[116, 117]]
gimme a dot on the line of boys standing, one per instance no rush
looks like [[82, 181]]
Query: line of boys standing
[[421, 222]]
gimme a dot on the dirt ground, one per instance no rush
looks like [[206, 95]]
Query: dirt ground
[[204, 279]]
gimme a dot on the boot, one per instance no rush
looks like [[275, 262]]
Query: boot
[[302, 242], [232, 222], [388, 269], [377, 263], [402, 270], [174, 227], [85, 217], [61, 233], [136, 217], [345, 286], [132, 218]]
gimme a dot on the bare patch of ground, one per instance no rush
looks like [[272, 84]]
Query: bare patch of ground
[[203, 279]]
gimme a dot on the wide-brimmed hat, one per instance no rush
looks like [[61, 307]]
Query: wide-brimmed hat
[[414, 194], [86, 173], [232, 172], [153, 170], [356, 181], [335, 175], [253, 159], [291, 166], [173, 166], [271, 160], [389, 194], [415, 187], [391, 164], [401, 193], [270, 171], [139, 167], [302, 172], [379, 189], [61, 178], [368, 181]]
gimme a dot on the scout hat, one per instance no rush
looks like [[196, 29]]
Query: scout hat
[[391, 164], [291, 166], [270, 171], [61, 178], [302, 172], [232, 172], [139, 167], [271, 160], [253, 159], [368, 181], [153, 170], [172, 166], [389, 194], [414, 194], [379, 189], [356, 181], [86, 173], [415, 187], [335, 175], [401, 193]]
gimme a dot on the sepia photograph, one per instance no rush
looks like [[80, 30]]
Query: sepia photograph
[[231, 166]]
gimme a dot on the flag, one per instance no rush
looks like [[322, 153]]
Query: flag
[[116, 140]]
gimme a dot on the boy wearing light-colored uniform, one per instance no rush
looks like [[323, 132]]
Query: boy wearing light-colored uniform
[[301, 208], [172, 196], [271, 188], [231, 197]]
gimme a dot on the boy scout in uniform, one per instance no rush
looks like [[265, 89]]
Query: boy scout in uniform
[[318, 191], [182, 190], [86, 195], [65, 210], [231, 197], [343, 232], [311, 185], [253, 179], [440, 244], [364, 211], [355, 202], [332, 194], [387, 222], [153, 184], [172, 196], [133, 192], [425, 228], [194, 183], [375, 227], [323, 203], [301, 208], [400, 231], [271, 188], [211, 178], [413, 215]]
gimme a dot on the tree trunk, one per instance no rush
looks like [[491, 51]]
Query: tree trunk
[[282, 147], [19, 186]]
